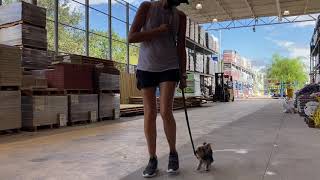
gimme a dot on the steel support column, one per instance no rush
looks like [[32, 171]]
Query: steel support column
[[127, 31], [56, 26], [87, 27], [110, 28]]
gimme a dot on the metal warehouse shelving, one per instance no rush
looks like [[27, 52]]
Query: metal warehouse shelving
[[315, 54]]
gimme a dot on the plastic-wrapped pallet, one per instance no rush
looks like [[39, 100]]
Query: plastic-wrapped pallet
[[199, 63], [187, 60], [210, 42], [44, 110], [211, 67], [196, 32], [202, 35], [197, 88], [205, 65], [207, 39], [191, 61], [192, 30], [10, 111], [82, 107], [188, 27], [116, 105]]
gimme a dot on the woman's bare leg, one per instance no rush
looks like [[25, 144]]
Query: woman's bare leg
[[150, 116]]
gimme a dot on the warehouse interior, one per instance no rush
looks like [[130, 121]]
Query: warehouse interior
[[73, 71]]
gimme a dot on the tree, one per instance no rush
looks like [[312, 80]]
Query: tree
[[290, 70]]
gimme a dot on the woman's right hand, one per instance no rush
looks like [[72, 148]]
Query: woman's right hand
[[164, 28]]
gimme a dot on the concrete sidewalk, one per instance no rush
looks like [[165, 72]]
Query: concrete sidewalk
[[265, 145]]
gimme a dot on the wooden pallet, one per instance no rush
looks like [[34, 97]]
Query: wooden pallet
[[9, 88], [42, 92], [73, 123], [107, 91], [78, 91], [10, 131], [41, 127], [131, 109], [106, 118]]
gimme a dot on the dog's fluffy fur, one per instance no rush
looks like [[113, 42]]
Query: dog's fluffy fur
[[205, 156]]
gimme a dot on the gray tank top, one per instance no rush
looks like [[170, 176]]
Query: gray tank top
[[160, 54]]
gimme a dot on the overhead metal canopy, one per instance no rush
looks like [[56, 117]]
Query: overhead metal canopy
[[235, 10]]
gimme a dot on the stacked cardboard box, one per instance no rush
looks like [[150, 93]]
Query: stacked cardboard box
[[83, 107], [229, 56], [109, 105], [44, 110], [10, 116], [105, 81], [33, 82], [10, 66]]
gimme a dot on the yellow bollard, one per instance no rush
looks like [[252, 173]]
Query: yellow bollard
[[290, 93]]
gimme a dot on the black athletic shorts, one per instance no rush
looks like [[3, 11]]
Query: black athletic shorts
[[147, 79]]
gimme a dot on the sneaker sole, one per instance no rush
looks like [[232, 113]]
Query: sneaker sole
[[172, 172], [151, 175]]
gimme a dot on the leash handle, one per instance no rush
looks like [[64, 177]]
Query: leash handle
[[187, 119]]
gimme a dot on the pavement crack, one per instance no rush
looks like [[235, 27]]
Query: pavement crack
[[274, 146]]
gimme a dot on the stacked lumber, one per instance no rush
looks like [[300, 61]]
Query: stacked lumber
[[24, 35], [70, 76], [34, 59], [131, 109], [83, 107], [10, 118], [10, 66], [22, 12], [44, 110]]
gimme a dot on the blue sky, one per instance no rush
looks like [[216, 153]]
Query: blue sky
[[291, 40]]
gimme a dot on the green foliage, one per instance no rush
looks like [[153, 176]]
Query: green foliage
[[290, 70], [73, 41]]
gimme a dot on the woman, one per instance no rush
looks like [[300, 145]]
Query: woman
[[160, 28]]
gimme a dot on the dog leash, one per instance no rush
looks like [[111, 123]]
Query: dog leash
[[187, 119]]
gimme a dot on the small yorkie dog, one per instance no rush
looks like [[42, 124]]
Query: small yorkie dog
[[205, 156]]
